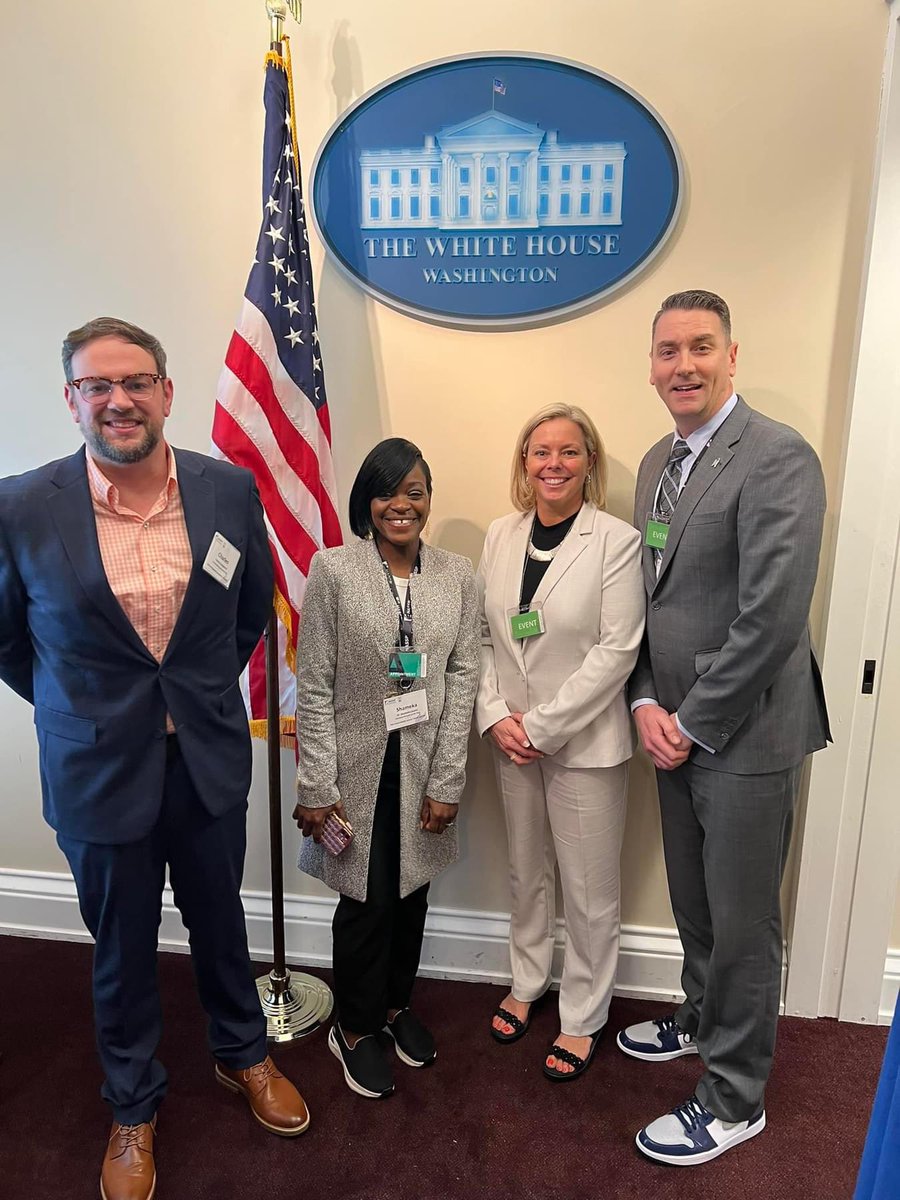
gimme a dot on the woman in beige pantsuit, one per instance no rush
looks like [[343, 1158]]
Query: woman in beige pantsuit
[[562, 617]]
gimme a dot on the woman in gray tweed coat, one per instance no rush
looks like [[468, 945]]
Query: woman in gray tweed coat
[[387, 754]]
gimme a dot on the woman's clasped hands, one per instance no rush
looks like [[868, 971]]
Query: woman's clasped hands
[[509, 735]]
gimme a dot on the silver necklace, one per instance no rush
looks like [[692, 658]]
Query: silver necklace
[[542, 555]]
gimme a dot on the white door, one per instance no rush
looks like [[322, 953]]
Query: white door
[[850, 859]]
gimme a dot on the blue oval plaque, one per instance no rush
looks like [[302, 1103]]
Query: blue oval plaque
[[496, 190]]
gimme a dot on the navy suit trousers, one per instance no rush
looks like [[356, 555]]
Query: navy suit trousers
[[120, 894]]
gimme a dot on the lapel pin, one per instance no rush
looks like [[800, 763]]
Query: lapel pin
[[716, 461]]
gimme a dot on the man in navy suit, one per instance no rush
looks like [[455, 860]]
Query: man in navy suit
[[135, 581]]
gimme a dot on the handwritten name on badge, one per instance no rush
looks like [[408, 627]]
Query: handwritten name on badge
[[409, 709], [221, 560]]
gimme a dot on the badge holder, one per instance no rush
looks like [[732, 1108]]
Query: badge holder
[[406, 666], [527, 623], [656, 533]]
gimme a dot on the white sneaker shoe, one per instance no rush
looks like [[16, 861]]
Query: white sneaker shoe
[[690, 1135], [656, 1041]]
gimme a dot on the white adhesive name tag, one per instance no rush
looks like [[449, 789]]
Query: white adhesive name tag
[[409, 709], [221, 560]]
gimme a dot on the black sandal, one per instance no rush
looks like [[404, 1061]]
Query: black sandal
[[579, 1065], [520, 1027]]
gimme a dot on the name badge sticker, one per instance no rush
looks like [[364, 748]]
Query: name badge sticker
[[221, 560], [409, 709]]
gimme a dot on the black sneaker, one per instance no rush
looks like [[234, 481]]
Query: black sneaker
[[366, 1070], [412, 1041]]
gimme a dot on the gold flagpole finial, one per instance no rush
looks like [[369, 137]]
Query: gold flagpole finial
[[278, 10]]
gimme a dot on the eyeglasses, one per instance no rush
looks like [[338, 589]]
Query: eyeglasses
[[95, 390]]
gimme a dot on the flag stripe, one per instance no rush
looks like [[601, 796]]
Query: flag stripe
[[271, 413], [291, 459], [253, 373], [298, 405], [257, 678], [255, 430], [289, 533]]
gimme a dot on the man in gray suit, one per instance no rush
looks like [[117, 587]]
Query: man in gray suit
[[727, 698]]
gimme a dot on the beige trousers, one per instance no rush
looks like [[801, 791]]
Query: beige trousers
[[573, 817]]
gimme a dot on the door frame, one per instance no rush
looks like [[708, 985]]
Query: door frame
[[850, 859]]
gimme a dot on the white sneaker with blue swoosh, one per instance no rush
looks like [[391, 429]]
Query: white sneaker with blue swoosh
[[691, 1134]]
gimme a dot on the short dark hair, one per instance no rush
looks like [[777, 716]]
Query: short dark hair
[[102, 327], [696, 299], [383, 469]]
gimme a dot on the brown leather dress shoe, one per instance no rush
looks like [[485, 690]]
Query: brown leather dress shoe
[[129, 1172], [273, 1100]]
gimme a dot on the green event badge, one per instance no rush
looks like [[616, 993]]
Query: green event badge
[[407, 664], [526, 624], [656, 535]]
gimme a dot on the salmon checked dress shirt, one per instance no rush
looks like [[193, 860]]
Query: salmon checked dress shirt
[[147, 560]]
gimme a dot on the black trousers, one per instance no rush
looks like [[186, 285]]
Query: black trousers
[[378, 942], [120, 894]]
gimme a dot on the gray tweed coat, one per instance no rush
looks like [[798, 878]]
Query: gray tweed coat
[[347, 631]]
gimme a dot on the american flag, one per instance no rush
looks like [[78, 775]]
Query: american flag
[[271, 414], [499, 87]]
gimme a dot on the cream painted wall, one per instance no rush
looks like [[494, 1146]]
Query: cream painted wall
[[131, 142]]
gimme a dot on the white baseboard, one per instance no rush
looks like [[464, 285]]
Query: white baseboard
[[459, 944]]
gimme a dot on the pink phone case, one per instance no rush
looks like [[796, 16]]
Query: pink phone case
[[336, 834]]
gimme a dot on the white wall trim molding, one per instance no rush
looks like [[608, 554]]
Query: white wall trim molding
[[459, 944], [464, 945]]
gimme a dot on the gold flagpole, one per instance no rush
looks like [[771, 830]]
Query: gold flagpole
[[278, 10], [293, 1005]]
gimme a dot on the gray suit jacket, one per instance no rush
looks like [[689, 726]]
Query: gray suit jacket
[[726, 642], [347, 631]]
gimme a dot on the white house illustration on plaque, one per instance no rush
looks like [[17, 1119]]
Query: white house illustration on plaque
[[492, 171]]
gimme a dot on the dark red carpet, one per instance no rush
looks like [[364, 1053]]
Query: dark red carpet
[[481, 1123]]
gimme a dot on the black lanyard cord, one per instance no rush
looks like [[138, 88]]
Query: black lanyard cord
[[405, 633]]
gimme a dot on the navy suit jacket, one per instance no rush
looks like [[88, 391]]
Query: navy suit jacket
[[100, 697]]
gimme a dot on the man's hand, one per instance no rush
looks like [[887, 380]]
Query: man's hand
[[661, 737], [510, 737], [311, 821]]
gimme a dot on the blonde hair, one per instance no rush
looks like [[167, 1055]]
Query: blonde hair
[[520, 491]]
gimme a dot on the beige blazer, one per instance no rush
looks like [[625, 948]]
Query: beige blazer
[[569, 681]]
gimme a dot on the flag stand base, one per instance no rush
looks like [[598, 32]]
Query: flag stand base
[[294, 1005]]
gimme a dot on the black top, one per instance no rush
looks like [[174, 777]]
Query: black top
[[543, 537]]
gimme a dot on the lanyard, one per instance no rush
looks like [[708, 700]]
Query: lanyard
[[405, 635]]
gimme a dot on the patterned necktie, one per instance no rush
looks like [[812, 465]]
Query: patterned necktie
[[669, 486]]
